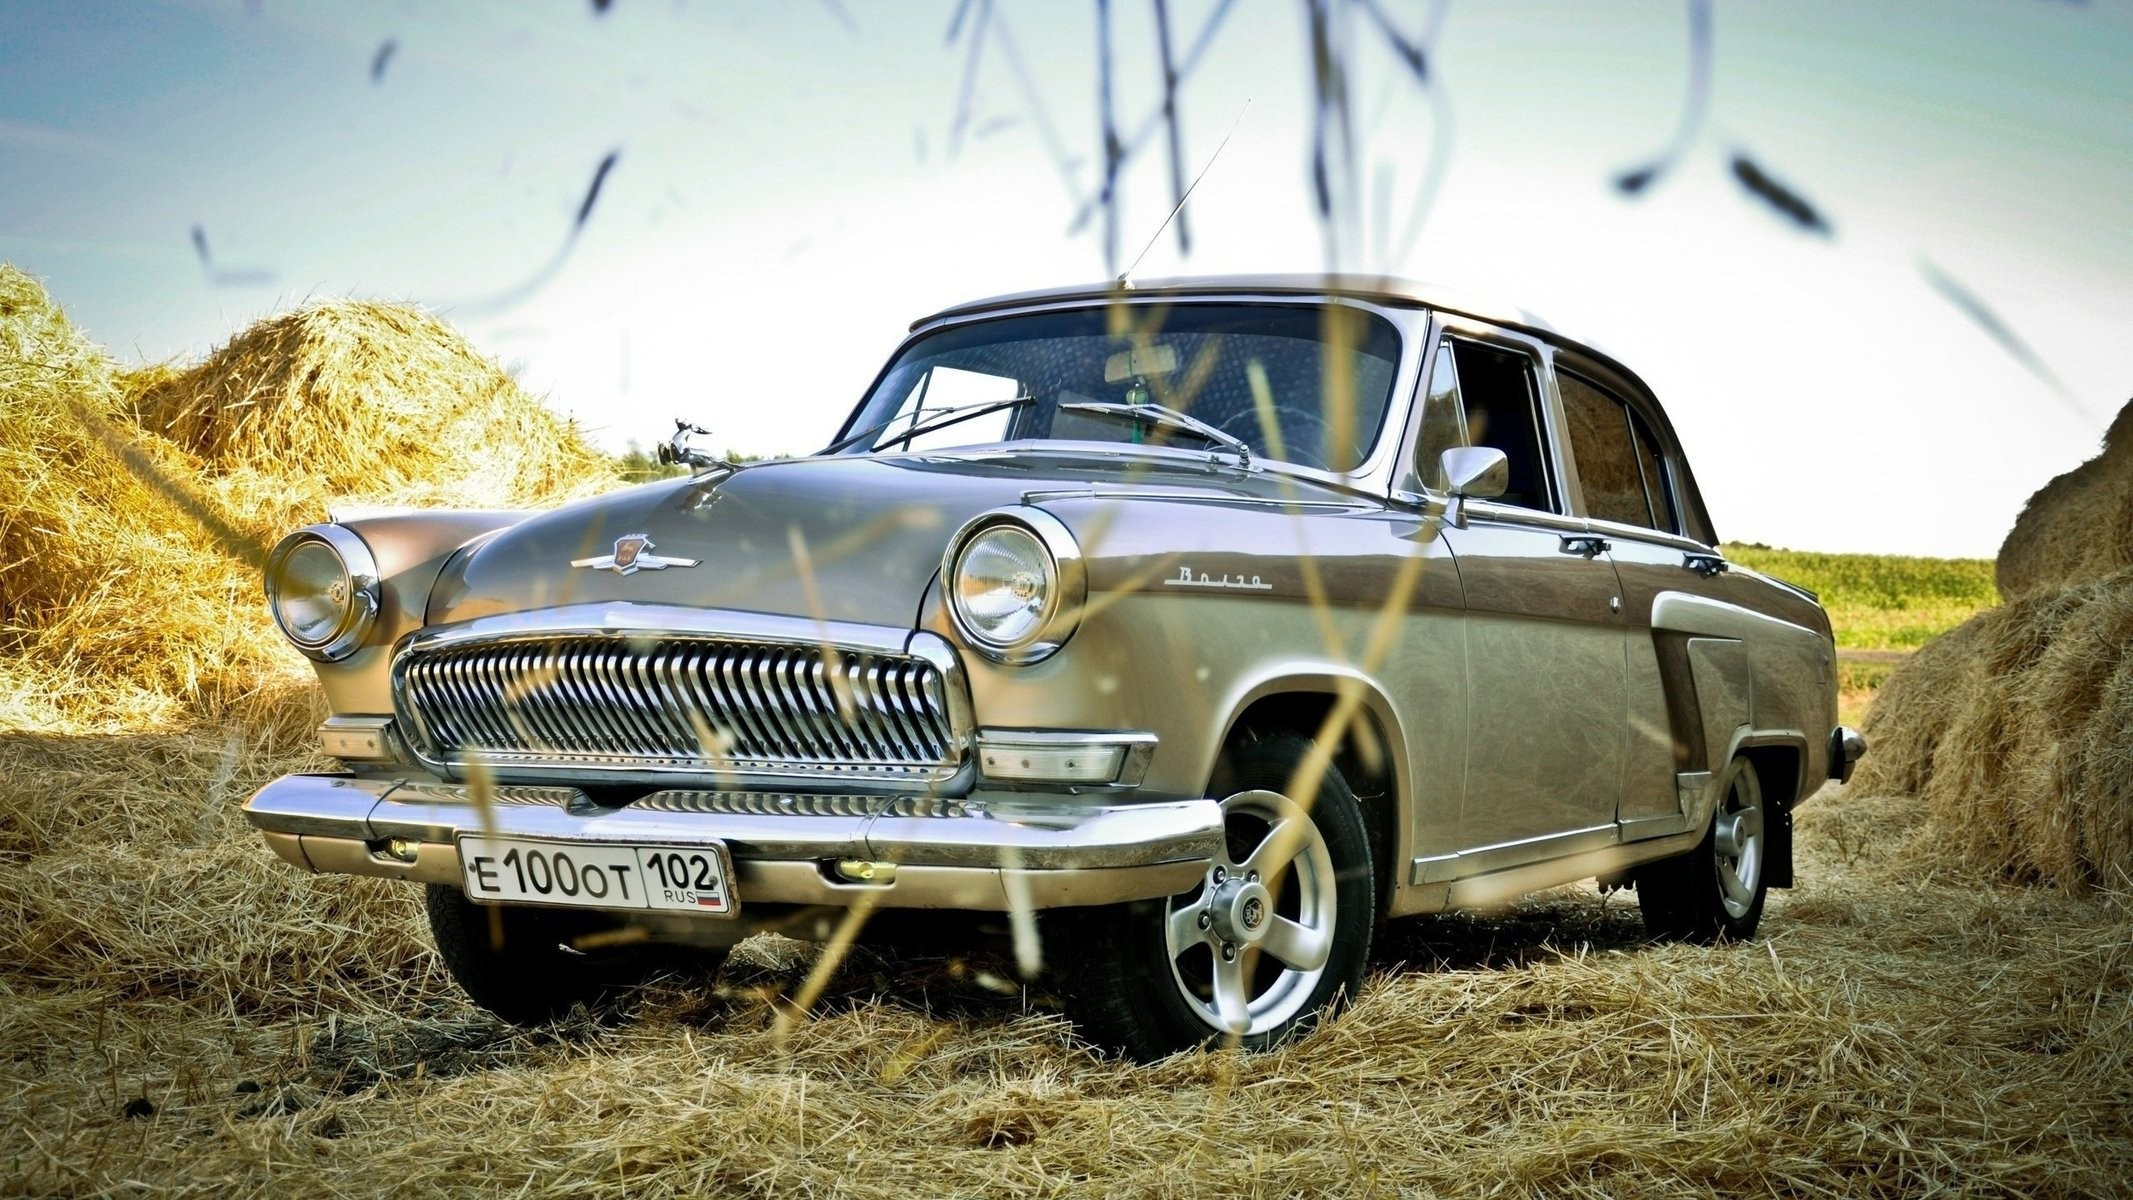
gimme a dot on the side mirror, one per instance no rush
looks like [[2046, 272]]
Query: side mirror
[[1477, 472], [1472, 472]]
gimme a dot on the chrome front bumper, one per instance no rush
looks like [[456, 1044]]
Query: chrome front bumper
[[970, 853]]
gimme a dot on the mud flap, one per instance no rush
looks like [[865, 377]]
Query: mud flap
[[1777, 830]]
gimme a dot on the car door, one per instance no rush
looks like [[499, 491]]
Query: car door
[[1544, 653], [1624, 480]]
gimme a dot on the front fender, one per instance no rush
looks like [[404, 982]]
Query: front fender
[[411, 549]]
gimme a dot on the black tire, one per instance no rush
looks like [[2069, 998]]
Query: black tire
[[518, 962], [1129, 993], [1701, 896]]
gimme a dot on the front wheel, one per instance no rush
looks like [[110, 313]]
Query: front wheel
[[1714, 892], [1273, 937], [530, 965]]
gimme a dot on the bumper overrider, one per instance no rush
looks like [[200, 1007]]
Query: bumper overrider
[[980, 852]]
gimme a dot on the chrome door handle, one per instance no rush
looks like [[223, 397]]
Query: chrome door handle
[[1590, 547]]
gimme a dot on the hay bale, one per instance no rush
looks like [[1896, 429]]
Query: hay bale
[[129, 555], [2069, 776], [98, 564], [2016, 728], [1977, 817], [1911, 711], [382, 401], [2079, 526], [2016, 731]]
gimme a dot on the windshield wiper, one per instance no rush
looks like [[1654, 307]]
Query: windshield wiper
[[942, 419], [1162, 414]]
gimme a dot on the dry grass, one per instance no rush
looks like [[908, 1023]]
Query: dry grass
[[181, 1014], [1901, 1030]]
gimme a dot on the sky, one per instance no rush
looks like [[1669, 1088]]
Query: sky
[[792, 184]]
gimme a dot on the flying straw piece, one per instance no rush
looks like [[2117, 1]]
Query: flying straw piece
[[1984, 317], [226, 276], [1787, 202], [519, 293], [1695, 105]]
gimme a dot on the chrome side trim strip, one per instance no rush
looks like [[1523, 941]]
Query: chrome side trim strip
[[1040, 495], [1480, 860], [1637, 829]]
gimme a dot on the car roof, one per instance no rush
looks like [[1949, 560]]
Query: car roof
[[1386, 288]]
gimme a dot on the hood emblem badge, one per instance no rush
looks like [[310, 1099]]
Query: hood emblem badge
[[633, 553]]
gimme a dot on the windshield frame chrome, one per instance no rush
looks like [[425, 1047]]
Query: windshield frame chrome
[[1374, 475]]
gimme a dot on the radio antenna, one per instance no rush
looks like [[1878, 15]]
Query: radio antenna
[[1187, 196]]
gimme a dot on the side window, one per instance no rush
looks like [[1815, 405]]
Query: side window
[[1443, 420], [1618, 460], [1498, 405], [1656, 485], [944, 387]]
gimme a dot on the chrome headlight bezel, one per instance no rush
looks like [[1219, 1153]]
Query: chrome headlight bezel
[[1066, 585], [358, 604]]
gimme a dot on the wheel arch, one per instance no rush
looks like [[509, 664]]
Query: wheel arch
[[1371, 755], [1780, 758]]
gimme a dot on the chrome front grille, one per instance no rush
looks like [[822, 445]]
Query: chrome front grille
[[678, 703]]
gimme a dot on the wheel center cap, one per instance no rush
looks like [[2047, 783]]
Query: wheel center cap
[[1241, 910]]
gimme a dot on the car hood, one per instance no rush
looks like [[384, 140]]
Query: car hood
[[840, 538]]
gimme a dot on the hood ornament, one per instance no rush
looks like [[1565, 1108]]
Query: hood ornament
[[680, 450], [632, 554]]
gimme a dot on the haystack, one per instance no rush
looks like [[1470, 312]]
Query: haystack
[[99, 565], [136, 506], [382, 401], [2016, 728], [2077, 527]]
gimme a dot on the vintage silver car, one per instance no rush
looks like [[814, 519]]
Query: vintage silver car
[[1180, 631]]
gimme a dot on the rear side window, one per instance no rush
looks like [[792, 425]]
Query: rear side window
[[1482, 396], [1618, 460], [1655, 482]]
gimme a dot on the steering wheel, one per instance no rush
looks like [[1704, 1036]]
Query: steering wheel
[[1303, 434]]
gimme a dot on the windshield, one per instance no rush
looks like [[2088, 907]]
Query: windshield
[[1304, 384]]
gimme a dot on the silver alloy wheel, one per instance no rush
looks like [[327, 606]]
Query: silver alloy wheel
[[1276, 902], [1737, 841]]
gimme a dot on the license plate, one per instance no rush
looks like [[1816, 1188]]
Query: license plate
[[695, 879]]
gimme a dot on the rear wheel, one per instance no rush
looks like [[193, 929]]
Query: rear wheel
[[530, 965], [1715, 891], [1274, 936]]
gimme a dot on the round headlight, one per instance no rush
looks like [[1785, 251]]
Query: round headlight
[[322, 586], [1015, 585]]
